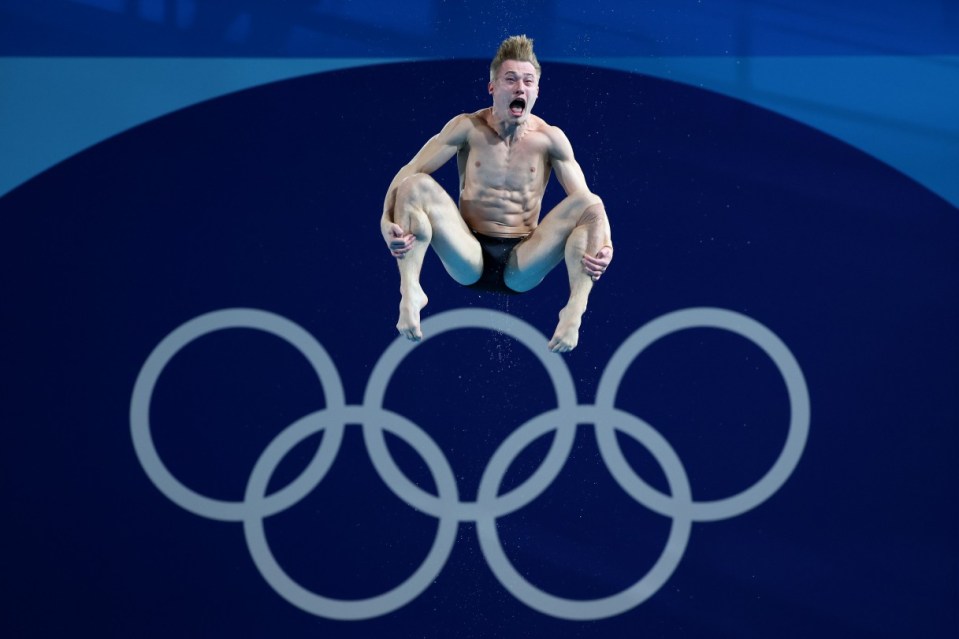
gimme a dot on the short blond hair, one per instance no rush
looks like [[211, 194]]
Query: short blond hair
[[519, 48]]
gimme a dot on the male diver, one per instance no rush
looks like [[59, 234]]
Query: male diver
[[494, 240]]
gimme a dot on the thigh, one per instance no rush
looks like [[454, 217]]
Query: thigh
[[536, 256], [458, 250], [452, 240]]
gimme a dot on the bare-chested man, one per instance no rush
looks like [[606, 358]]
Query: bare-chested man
[[494, 239]]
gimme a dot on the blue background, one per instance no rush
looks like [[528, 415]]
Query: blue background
[[192, 156]]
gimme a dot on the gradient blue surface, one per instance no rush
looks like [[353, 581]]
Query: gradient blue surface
[[715, 202]]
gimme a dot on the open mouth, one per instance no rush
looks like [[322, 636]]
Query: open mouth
[[517, 106]]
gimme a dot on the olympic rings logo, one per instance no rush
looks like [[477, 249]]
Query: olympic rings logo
[[446, 506]]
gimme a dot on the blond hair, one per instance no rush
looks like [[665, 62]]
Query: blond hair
[[519, 48]]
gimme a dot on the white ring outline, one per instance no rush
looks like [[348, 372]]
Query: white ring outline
[[638, 592], [799, 406], [489, 505], [163, 479], [492, 320], [343, 609]]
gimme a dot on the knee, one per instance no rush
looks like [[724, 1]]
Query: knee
[[591, 210], [413, 204], [417, 190]]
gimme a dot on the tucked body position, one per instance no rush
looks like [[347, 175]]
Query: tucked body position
[[492, 238]]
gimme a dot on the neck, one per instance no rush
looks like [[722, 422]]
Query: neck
[[508, 131]]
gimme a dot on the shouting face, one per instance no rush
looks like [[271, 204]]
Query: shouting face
[[514, 91]]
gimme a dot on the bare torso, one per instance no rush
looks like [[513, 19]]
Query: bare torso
[[502, 182]]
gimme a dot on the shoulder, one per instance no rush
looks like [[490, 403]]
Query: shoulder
[[554, 133], [458, 129], [477, 119], [537, 123], [478, 116], [559, 146]]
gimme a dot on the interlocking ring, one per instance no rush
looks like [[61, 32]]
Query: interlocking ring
[[172, 344], [401, 594], [798, 404], [489, 504]]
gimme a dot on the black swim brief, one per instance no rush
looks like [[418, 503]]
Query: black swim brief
[[496, 252]]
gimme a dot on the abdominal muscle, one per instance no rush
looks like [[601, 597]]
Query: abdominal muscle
[[500, 217]]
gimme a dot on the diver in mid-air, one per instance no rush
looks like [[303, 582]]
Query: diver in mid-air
[[493, 239]]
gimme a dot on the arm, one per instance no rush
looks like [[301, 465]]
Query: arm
[[567, 169], [435, 153], [571, 178]]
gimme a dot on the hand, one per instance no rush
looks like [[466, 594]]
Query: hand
[[596, 265], [399, 241]]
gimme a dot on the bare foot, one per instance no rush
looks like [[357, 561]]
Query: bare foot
[[411, 303], [566, 336]]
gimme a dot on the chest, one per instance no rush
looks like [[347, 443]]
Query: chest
[[492, 161]]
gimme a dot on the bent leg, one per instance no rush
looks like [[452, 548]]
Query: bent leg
[[576, 227], [426, 211]]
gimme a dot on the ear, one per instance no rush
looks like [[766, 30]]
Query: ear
[[489, 87]]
